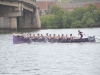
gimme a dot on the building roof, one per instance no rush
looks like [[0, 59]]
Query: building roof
[[81, 4]]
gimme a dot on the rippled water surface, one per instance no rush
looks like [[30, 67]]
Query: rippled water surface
[[50, 58]]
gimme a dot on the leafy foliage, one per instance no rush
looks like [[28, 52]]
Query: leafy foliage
[[78, 18]]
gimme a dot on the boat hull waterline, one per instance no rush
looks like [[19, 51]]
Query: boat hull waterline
[[21, 39]]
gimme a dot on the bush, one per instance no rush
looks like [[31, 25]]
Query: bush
[[78, 18]]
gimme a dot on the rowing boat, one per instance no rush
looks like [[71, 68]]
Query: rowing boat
[[21, 39]]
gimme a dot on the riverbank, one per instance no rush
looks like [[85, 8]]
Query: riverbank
[[78, 18]]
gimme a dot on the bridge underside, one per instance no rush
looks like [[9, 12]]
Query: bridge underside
[[8, 11], [28, 20], [17, 17]]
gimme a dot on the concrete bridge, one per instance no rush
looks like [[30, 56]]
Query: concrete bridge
[[19, 14]]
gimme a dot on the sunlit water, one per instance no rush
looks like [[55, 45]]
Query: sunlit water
[[50, 58]]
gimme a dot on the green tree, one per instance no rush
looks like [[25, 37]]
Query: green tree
[[90, 22], [79, 17], [86, 16], [91, 8], [67, 19], [97, 15], [54, 9], [77, 13], [59, 18], [76, 24], [48, 21]]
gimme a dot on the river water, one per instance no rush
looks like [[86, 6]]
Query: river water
[[50, 58]]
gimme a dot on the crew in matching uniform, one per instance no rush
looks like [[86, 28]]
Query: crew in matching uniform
[[50, 36]]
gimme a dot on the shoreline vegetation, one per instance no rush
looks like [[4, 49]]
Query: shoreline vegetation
[[78, 18]]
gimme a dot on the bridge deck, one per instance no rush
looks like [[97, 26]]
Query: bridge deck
[[26, 4]]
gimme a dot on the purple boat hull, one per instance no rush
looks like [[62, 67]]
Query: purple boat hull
[[21, 39]]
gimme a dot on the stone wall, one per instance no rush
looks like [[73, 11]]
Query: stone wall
[[5, 22]]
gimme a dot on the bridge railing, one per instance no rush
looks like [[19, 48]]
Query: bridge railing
[[29, 1]]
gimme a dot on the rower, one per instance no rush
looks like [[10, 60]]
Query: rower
[[27, 36], [47, 37], [62, 36], [33, 36], [50, 36], [30, 35], [54, 36], [66, 37], [41, 37], [58, 37], [38, 36], [71, 37], [80, 33], [22, 34]]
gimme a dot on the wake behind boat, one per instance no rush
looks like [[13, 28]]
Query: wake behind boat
[[53, 39]]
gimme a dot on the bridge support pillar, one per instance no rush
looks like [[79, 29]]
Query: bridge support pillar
[[13, 23], [37, 22], [38, 19]]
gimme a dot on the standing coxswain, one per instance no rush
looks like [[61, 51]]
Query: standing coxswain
[[80, 33]]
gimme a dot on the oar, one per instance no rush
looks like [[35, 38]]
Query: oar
[[29, 40], [46, 39], [62, 39]]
